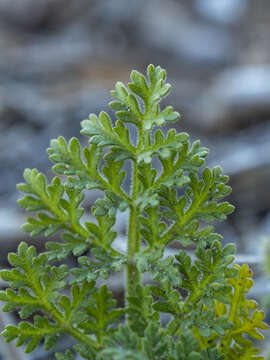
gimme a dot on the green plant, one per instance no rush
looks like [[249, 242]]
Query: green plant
[[204, 297]]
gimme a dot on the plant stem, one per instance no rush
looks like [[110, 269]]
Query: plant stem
[[133, 277]]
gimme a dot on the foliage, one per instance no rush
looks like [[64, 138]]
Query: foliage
[[194, 305]]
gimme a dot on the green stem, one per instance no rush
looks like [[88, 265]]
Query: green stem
[[133, 277]]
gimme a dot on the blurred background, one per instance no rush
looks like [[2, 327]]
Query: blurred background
[[60, 58]]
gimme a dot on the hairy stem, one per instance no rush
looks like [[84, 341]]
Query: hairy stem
[[133, 277]]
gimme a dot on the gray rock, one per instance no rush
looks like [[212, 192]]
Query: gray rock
[[245, 158], [247, 149], [31, 15], [169, 27], [44, 57], [10, 232], [223, 11], [31, 115], [260, 288], [236, 96]]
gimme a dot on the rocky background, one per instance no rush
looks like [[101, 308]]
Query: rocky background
[[60, 58]]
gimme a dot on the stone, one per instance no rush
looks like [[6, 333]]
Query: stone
[[237, 97], [183, 38], [223, 11]]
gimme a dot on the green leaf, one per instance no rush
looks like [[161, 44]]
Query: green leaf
[[121, 345], [33, 334], [150, 91], [71, 244], [200, 202], [67, 356], [246, 319], [140, 310], [103, 232], [211, 354], [162, 146], [49, 199], [160, 270], [102, 265], [71, 160], [154, 342], [102, 133], [102, 313], [86, 351]]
